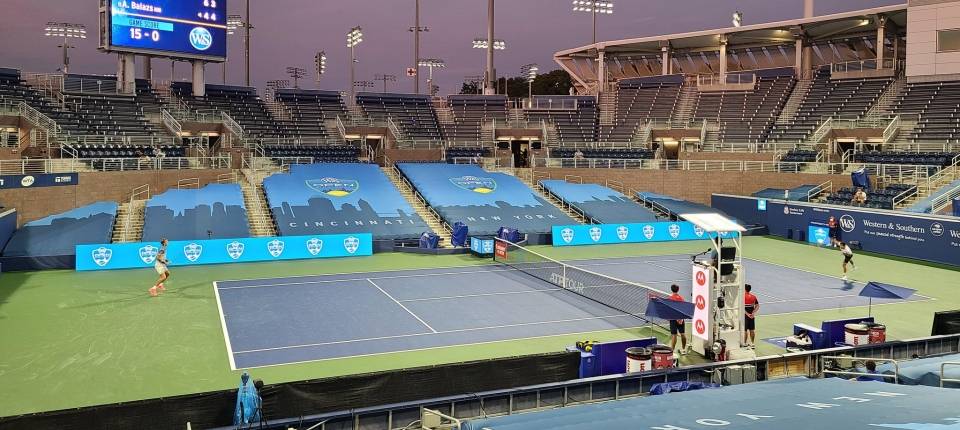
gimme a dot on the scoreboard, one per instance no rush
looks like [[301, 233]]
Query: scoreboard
[[194, 29]]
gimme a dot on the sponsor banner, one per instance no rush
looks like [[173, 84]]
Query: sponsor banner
[[919, 236], [481, 246], [596, 234], [818, 234], [500, 250], [701, 302], [36, 181], [219, 251]]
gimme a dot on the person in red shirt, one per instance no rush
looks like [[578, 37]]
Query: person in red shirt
[[750, 307], [677, 326]]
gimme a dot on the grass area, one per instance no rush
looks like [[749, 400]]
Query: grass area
[[63, 332]]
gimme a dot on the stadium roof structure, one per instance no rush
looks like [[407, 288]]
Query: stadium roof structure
[[836, 38]]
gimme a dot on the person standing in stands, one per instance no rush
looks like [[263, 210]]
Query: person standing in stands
[[160, 265], [834, 230], [847, 257], [750, 307], [677, 326]]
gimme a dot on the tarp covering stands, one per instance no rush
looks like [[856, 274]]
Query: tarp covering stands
[[799, 194], [484, 201], [598, 203], [215, 211], [675, 206], [791, 404], [58, 234], [925, 371], [334, 198]]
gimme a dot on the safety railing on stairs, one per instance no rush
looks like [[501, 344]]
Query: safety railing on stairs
[[231, 125], [891, 130], [821, 131], [826, 187], [139, 193], [703, 132], [171, 123]]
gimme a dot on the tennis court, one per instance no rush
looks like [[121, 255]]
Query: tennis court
[[276, 321]]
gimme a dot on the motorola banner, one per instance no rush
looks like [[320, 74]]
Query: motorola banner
[[220, 251], [920, 236], [701, 302], [597, 234]]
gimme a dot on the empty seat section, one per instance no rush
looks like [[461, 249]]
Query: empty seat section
[[340, 198], [212, 212], [638, 100], [241, 103], [318, 154], [413, 114], [746, 116], [470, 112], [598, 203], [879, 198], [937, 107], [58, 234], [309, 109], [575, 117], [461, 154], [941, 159], [483, 200]]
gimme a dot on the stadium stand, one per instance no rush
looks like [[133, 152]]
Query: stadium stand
[[412, 113], [483, 200], [924, 205], [241, 103], [319, 154], [883, 198], [212, 212], [92, 106], [942, 159], [58, 234], [638, 100], [340, 198], [597, 203], [469, 114], [746, 116], [798, 194], [847, 98], [673, 207], [800, 156], [936, 104], [309, 109], [575, 117], [457, 153], [14, 90]]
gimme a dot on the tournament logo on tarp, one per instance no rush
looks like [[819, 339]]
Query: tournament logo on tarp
[[351, 244], [623, 232], [235, 249], [567, 235], [595, 233], [674, 230], [148, 254], [275, 247], [314, 246], [333, 187], [192, 251], [475, 184], [649, 231], [698, 230], [101, 256]]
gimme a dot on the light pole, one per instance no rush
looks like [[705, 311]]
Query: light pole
[[296, 73], [594, 7], [354, 37], [416, 30], [489, 82], [233, 23], [67, 31], [363, 84], [385, 79], [530, 71], [246, 43], [320, 61], [431, 63]]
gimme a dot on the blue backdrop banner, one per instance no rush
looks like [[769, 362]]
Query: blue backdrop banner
[[218, 251], [36, 181], [597, 234], [924, 237]]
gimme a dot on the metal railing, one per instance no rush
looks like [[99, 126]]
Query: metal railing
[[703, 132], [39, 119], [838, 359], [171, 123], [729, 79], [941, 202], [97, 139], [139, 193], [892, 129], [544, 133], [92, 85], [821, 131], [69, 165], [943, 372], [904, 196], [342, 129], [395, 130], [549, 103], [862, 65], [815, 191], [232, 125]]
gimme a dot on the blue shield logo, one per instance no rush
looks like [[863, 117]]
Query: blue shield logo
[[351, 244], [101, 256], [333, 187], [275, 247], [623, 232], [235, 249], [475, 184], [192, 251], [314, 246], [698, 230], [567, 235], [201, 39], [674, 230], [648, 231], [595, 233], [148, 254]]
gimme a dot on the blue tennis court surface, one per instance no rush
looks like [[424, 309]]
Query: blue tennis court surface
[[277, 321]]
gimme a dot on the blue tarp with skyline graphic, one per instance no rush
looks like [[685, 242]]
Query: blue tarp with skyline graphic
[[215, 211], [59, 234], [601, 204]]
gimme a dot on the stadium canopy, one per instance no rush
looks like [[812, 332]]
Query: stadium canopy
[[831, 39]]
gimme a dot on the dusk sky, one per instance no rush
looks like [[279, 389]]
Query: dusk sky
[[290, 32]]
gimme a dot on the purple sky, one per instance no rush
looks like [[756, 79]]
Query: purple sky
[[290, 32]]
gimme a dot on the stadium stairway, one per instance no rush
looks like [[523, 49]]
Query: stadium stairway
[[433, 221], [254, 199], [686, 104], [790, 107], [937, 183], [129, 224], [526, 176]]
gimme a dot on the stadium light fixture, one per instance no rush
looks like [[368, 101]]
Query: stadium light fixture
[[296, 73], [530, 72], [737, 18], [385, 78], [354, 37], [431, 63], [594, 8], [416, 29], [67, 31], [498, 44], [320, 62]]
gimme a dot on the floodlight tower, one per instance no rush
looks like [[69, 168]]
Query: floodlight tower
[[431, 63], [354, 37], [416, 30], [246, 43], [489, 82], [594, 8], [67, 31], [385, 79], [296, 73], [530, 72], [320, 61], [233, 23]]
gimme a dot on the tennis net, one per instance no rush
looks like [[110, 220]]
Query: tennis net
[[624, 296]]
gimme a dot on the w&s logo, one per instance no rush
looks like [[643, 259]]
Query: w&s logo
[[201, 39], [847, 223]]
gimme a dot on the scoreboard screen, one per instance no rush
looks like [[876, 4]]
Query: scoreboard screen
[[176, 28]]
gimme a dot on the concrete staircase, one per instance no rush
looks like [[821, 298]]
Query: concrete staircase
[[882, 107], [608, 107], [930, 186], [444, 113], [487, 132], [903, 134], [420, 206], [686, 104], [128, 226], [255, 201], [789, 110]]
